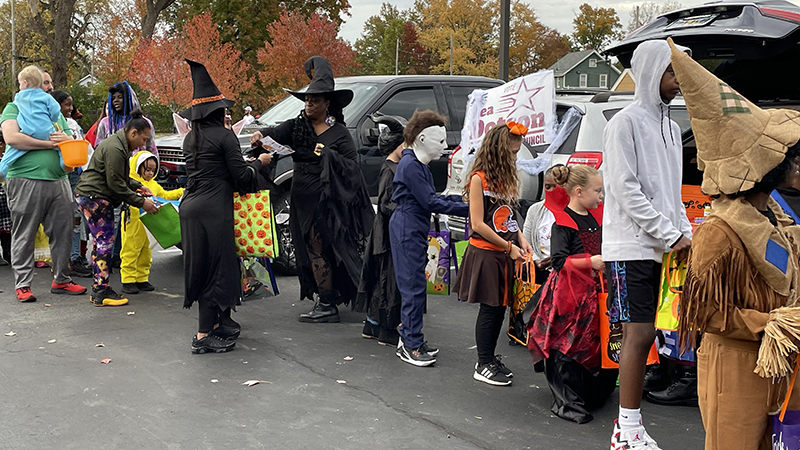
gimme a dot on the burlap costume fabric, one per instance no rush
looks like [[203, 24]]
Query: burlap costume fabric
[[737, 142]]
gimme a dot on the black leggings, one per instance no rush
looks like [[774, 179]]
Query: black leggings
[[5, 244], [323, 275], [487, 331], [212, 315]]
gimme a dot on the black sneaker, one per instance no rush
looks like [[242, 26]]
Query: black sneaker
[[129, 288], [145, 286], [416, 356], [370, 331], [79, 270], [502, 367], [107, 297], [490, 374], [225, 332], [388, 337], [211, 344]]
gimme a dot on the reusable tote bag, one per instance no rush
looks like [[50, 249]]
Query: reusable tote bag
[[524, 290], [254, 225], [165, 227], [611, 334], [437, 267], [786, 425], [673, 275]]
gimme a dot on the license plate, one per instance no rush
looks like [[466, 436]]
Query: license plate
[[692, 22]]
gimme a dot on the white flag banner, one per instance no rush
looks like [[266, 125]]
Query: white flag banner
[[529, 100]]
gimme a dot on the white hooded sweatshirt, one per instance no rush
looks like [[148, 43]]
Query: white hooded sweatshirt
[[643, 167]]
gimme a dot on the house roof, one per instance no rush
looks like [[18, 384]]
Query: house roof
[[621, 78], [571, 60]]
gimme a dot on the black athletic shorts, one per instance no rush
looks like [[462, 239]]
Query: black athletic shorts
[[633, 290]]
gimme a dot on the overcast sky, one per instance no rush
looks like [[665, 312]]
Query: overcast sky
[[557, 14]]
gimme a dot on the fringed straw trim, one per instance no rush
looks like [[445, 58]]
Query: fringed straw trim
[[779, 343]]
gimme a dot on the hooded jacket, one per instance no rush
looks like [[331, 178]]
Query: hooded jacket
[[108, 174], [643, 167]]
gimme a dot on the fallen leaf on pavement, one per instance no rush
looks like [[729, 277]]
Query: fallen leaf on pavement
[[341, 381], [348, 358], [105, 361], [215, 380], [255, 382], [51, 341], [130, 313], [48, 305], [100, 345], [11, 333]]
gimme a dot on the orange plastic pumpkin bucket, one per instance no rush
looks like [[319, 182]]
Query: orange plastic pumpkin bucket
[[75, 152]]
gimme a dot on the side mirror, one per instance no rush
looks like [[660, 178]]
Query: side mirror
[[370, 132]]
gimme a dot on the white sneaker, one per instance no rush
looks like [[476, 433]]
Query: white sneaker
[[633, 439]]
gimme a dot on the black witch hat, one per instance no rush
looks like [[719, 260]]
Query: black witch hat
[[320, 73], [392, 135], [206, 97]]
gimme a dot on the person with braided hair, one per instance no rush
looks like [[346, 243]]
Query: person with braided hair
[[331, 213], [378, 295], [121, 101]]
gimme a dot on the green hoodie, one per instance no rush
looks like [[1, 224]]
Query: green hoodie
[[107, 176]]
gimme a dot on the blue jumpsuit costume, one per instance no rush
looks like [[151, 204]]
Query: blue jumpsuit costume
[[416, 199]]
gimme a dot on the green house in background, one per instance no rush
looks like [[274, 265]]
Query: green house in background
[[582, 70]]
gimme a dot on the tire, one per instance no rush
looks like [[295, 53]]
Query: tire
[[286, 262]]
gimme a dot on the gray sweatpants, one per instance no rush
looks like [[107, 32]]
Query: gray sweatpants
[[34, 202]]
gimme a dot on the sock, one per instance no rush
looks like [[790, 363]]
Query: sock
[[629, 418], [373, 322]]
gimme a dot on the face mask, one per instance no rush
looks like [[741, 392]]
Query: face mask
[[430, 144]]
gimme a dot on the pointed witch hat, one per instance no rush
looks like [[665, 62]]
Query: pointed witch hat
[[206, 97], [319, 71], [737, 142]]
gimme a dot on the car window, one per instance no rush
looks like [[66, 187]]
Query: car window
[[291, 106], [460, 98], [405, 102]]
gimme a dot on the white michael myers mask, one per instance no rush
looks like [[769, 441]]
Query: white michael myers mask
[[430, 144]]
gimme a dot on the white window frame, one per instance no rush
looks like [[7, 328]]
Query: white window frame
[[558, 82], [603, 80], [584, 80], [592, 63]]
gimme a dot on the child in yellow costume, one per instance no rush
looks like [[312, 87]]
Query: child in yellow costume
[[136, 253]]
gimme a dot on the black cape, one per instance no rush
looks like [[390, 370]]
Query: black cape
[[216, 170], [329, 194], [377, 293]]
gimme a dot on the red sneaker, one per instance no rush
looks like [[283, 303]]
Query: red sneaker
[[25, 295], [67, 288]]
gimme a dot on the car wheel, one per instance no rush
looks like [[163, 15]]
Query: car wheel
[[286, 262]]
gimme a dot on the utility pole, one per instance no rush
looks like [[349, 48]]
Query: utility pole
[[13, 51], [396, 55], [505, 37], [451, 53]]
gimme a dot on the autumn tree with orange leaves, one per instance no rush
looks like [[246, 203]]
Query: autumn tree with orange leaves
[[295, 38], [159, 65]]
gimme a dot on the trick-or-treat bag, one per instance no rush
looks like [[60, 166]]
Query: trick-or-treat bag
[[165, 227], [254, 225], [673, 275], [611, 333], [786, 425], [437, 261], [525, 288]]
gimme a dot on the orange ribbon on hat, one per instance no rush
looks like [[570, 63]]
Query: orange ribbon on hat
[[517, 128]]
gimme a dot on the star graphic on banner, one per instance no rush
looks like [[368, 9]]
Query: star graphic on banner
[[508, 100]]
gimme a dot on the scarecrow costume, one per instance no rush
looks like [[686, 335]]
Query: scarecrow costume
[[331, 209], [742, 280], [216, 170], [564, 329]]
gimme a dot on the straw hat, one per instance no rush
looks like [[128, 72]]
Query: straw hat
[[737, 142]]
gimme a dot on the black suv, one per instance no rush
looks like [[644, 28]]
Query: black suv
[[390, 95]]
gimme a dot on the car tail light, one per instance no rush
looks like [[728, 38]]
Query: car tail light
[[594, 159], [780, 14], [450, 161]]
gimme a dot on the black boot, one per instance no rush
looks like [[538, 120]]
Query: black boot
[[321, 313], [682, 391], [370, 331], [388, 337], [656, 378]]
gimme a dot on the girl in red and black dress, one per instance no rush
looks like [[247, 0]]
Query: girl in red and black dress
[[495, 241], [564, 328]]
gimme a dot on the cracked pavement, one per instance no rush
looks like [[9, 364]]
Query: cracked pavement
[[156, 395]]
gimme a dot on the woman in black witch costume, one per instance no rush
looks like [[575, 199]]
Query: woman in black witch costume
[[331, 213], [216, 169], [378, 295]]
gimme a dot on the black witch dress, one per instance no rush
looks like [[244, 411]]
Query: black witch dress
[[216, 170], [329, 195], [378, 295]]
